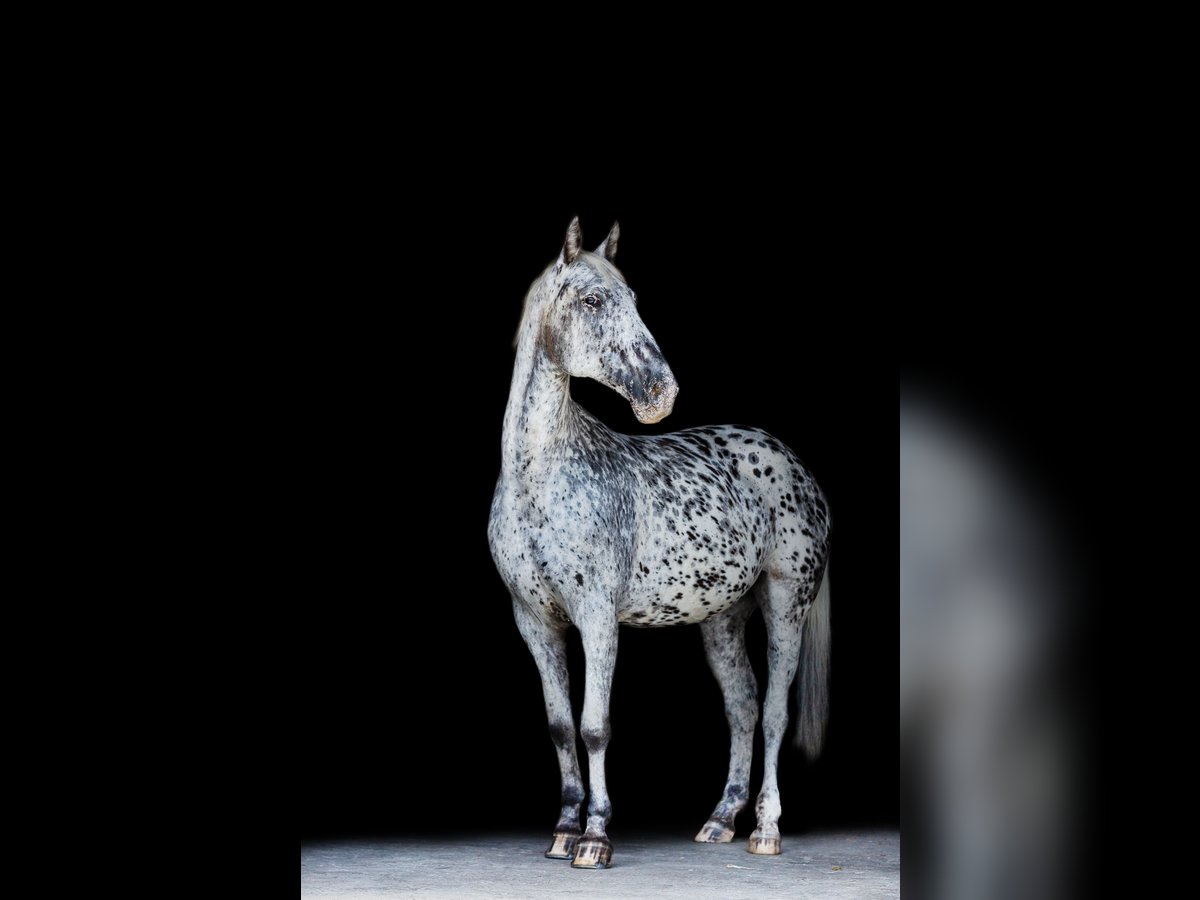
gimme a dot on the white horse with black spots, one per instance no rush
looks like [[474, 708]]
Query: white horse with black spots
[[597, 529]]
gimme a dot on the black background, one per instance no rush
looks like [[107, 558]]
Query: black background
[[419, 707]]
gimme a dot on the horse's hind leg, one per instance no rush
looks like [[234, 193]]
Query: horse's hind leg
[[549, 650], [780, 603], [725, 646]]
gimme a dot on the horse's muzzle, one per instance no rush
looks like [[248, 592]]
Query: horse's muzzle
[[653, 401]]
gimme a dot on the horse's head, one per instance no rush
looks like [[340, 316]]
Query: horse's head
[[591, 328]]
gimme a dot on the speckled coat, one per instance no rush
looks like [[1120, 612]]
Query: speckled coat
[[596, 529]]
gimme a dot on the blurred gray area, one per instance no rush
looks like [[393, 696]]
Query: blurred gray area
[[987, 723], [830, 864]]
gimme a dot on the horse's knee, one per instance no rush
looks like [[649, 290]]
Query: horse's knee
[[595, 737], [563, 734]]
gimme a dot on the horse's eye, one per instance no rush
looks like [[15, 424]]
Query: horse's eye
[[591, 300]]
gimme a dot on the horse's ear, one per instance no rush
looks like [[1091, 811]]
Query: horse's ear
[[573, 243], [608, 246]]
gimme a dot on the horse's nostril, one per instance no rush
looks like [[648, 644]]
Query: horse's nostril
[[656, 391]]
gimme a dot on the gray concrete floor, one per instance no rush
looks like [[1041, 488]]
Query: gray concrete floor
[[860, 864]]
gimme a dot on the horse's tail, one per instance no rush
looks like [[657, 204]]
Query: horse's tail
[[812, 685]]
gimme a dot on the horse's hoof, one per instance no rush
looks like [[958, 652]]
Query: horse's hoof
[[714, 833], [592, 853], [563, 846], [763, 846]]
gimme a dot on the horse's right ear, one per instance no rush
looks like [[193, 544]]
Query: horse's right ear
[[572, 245], [608, 246]]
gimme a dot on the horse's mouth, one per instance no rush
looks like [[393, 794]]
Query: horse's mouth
[[649, 418]]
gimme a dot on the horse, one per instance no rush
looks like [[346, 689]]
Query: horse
[[598, 529]]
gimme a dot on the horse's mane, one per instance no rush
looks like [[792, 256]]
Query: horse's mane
[[525, 307]]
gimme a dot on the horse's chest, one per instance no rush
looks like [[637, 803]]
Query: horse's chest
[[556, 541]]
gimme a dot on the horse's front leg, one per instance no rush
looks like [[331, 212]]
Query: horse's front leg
[[549, 649], [599, 633]]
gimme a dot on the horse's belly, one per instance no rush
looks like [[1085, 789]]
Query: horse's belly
[[683, 595]]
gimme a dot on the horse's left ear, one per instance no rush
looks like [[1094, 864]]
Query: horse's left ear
[[571, 245], [608, 246]]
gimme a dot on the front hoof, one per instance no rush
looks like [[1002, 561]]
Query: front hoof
[[563, 845], [592, 853], [763, 846], [714, 833]]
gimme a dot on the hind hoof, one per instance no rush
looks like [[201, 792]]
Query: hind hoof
[[714, 833], [592, 853], [563, 845], [763, 846]]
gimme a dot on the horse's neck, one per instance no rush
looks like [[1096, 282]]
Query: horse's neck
[[540, 411]]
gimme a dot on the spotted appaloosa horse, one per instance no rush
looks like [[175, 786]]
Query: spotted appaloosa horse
[[597, 529]]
